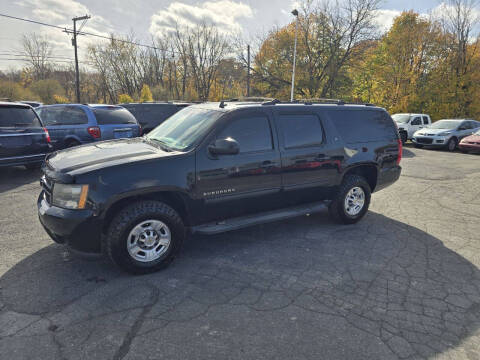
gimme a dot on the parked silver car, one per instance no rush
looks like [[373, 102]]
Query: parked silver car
[[445, 133]]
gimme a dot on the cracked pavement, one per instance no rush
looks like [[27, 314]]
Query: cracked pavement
[[404, 283]]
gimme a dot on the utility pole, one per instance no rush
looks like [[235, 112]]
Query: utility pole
[[248, 70], [294, 13], [74, 43]]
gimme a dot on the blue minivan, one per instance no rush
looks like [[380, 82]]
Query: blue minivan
[[74, 124]]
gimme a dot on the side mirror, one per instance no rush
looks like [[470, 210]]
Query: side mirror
[[226, 146], [461, 128]]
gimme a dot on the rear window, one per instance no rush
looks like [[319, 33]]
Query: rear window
[[11, 116], [363, 125], [152, 114], [108, 116], [62, 115]]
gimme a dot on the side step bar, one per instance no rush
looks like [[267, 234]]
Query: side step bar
[[260, 218]]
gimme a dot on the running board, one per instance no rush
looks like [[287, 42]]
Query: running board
[[260, 218]]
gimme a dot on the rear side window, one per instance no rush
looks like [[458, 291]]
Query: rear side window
[[425, 120], [363, 125], [109, 116], [252, 133], [300, 130], [11, 116], [63, 115]]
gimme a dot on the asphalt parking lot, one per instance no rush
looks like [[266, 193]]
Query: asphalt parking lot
[[403, 283]]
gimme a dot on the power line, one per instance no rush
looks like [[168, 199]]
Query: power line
[[54, 61], [68, 30]]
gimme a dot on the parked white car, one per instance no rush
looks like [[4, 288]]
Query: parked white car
[[445, 133], [409, 123]]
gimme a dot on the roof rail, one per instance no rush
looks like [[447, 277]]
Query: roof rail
[[272, 102], [250, 99]]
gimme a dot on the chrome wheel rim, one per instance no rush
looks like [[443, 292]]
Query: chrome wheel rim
[[354, 201], [149, 240]]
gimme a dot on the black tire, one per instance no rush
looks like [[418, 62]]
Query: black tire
[[451, 144], [34, 166], [403, 137], [115, 242], [71, 143], [418, 146], [337, 206]]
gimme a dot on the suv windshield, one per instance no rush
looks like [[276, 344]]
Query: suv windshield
[[401, 118], [445, 124], [184, 129]]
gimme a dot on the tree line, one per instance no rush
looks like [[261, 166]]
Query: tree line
[[423, 63]]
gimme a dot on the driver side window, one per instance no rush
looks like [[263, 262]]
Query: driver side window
[[417, 121], [252, 133]]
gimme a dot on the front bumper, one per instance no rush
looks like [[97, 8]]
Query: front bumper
[[469, 147], [433, 141], [79, 229]]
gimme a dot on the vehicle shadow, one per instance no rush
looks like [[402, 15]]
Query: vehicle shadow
[[16, 176], [379, 289], [407, 153]]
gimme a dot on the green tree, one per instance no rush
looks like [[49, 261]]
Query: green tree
[[145, 94]]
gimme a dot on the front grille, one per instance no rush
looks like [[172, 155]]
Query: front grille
[[424, 140], [47, 186], [430, 134]]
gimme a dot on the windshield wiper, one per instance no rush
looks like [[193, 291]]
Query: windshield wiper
[[162, 144]]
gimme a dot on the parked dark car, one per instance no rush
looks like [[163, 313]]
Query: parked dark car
[[74, 124], [150, 115], [216, 167], [23, 139]]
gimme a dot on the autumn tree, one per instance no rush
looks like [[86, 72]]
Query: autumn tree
[[145, 94], [328, 34]]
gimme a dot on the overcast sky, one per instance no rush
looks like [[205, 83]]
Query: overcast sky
[[147, 18]]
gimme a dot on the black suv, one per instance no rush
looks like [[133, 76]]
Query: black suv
[[150, 115], [23, 139], [216, 167]]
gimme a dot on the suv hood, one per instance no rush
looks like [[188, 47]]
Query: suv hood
[[103, 154]]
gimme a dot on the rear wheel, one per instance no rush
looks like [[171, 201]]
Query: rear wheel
[[71, 143], [351, 201], [452, 144], [144, 237]]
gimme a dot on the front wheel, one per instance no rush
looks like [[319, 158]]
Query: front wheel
[[351, 201], [452, 144], [144, 237], [403, 137], [418, 146]]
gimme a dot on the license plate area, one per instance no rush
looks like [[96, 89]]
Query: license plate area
[[118, 134]]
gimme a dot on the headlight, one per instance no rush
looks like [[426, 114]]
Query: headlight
[[70, 196], [444, 133]]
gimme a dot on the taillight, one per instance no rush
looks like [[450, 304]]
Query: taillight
[[47, 135], [400, 151], [140, 130], [95, 132]]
